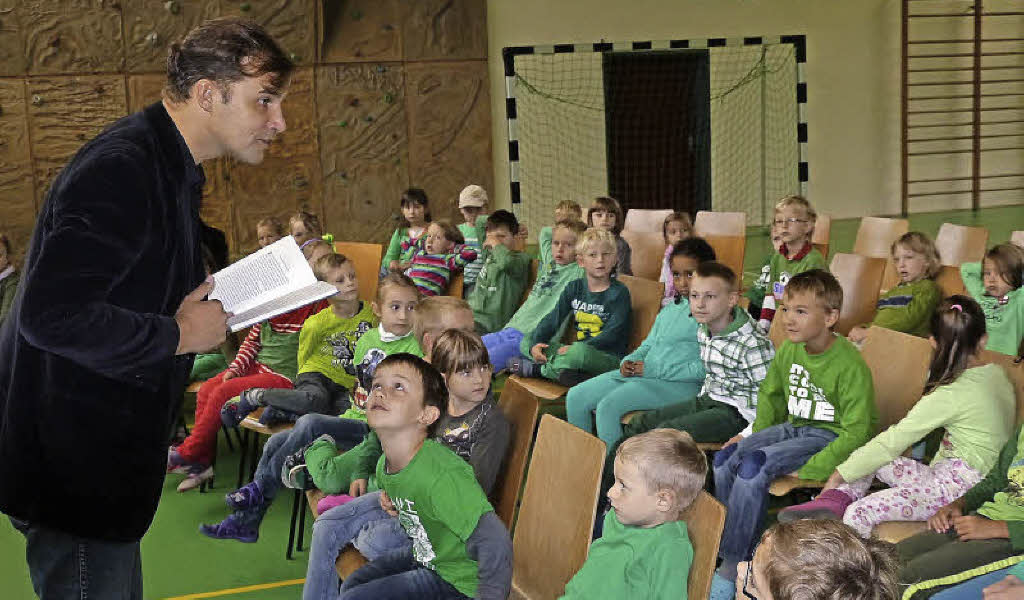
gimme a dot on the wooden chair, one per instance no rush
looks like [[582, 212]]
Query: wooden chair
[[520, 408], [958, 244], [1017, 237], [366, 258], [559, 506], [777, 331], [456, 285], [349, 559], [252, 429], [648, 252], [645, 220], [949, 281], [875, 237], [726, 232], [860, 277], [705, 519], [820, 239]]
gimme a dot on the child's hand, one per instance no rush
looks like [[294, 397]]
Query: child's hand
[[1010, 588], [537, 353], [358, 488], [393, 266], [626, 368], [229, 374], [733, 440], [386, 505], [523, 232], [942, 520], [561, 351], [857, 334], [979, 528]]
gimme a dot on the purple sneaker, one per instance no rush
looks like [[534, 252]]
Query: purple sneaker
[[175, 462], [230, 529], [248, 496], [830, 504], [236, 409]]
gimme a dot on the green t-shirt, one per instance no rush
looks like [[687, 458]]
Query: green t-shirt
[[832, 390], [499, 287], [439, 504], [1008, 505], [279, 351], [551, 280], [1004, 318], [327, 343], [632, 562], [777, 272], [370, 350]]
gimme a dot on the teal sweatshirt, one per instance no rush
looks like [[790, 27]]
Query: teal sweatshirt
[[551, 281], [1004, 320], [601, 319], [670, 352], [499, 287]]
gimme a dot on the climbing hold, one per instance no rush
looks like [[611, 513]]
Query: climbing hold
[[353, 102], [342, 123], [294, 57], [37, 100], [245, 7], [172, 6], [389, 98], [153, 39], [381, 68], [368, 118]]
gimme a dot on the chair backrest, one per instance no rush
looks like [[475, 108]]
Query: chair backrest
[[456, 285], [860, 277], [647, 220], [520, 408], [705, 519], [1017, 237], [531, 279], [645, 300], [556, 517], [366, 258], [875, 237], [730, 250], [899, 368], [777, 331], [1015, 370], [949, 281], [720, 223], [822, 234], [958, 244], [648, 252]]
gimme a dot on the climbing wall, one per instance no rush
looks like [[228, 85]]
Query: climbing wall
[[388, 94]]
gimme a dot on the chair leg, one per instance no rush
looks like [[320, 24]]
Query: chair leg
[[299, 497], [227, 436], [254, 457], [291, 528], [244, 445]]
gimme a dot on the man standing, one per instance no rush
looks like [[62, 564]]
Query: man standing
[[97, 349]]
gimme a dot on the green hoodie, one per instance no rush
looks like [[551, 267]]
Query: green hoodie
[[908, 307], [499, 287], [999, 496], [1004, 322], [551, 280]]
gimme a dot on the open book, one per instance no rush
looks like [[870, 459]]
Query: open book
[[267, 283]]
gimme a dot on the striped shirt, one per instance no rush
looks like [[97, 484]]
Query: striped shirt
[[432, 272]]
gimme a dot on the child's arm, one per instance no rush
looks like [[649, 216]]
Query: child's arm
[[7, 299], [616, 328], [369, 452], [323, 466], [245, 360], [394, 250], [757, 291], [552, 321], [971, 275], [544, 245], [667, 568], [997, 479], [461, 258], [491, 547], [856, 421], [909, 318]]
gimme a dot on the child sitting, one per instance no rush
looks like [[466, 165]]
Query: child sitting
[[794, 223], [552, 277], [908, 307], [814, 408], [269, 230], [473, 427], [600, 307], [327, 343], [460, 549], [996, 284], [416, 217], [676, 228], [441, 253], [304, 227], [503, 277], [606, 213], [473, 205], [973, 403], [8, 278], [566, 211], [665, 369], [645, 551], [819, 560]]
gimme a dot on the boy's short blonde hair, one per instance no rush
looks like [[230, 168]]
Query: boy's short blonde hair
[[325, 263], [819, 282], [667, 459], [430, 312], [396, 280], [272, 223], [310, 221], [797, 200], [310, 247], [569, 206], [577, 227], [593, 236], [919, 243]]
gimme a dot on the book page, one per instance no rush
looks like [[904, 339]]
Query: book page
[[278, 306], [261, 277]]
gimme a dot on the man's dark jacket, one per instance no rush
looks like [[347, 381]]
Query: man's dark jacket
[[89, 384]]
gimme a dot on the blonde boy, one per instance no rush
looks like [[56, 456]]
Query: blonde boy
[[645, 551], [600, 307], [794, 224]]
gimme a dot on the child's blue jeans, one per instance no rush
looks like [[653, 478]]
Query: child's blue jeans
[[744, 471], [397, 576], [361, 522], [502, 345]]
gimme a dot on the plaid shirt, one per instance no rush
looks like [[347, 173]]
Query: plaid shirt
[[736, 362]]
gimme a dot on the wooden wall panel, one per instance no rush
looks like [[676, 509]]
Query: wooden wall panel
[[291, 22], [361, 30], [18, 208], [450, 130], [72, 36], [64, 113], [12, 44], [152, 25], [445, 29], [144, 90], [363, 148]]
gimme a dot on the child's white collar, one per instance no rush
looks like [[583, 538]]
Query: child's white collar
[[390, 337], [6, 272]]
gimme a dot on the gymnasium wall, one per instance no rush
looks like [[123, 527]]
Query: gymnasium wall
[[388, 94], [853, 76]]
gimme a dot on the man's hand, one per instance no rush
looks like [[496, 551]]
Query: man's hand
[[979, 528], [386, 505], [942, 520], [537, 353], [202, 324], [358, 488]]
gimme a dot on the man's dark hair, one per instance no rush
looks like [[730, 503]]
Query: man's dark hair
[[716, 269], [502, 218], [224, 51]]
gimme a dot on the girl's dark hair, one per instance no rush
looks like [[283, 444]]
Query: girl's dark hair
[[225, 51], [502, 218], [957, 326], [415, 196], [611, 205], [696, 248], [455, 350], [435, 392], [1008, 259]]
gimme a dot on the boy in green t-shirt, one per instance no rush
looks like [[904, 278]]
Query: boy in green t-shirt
[[815, 406], [327, 343], [645, 551], [503, 276], [794, 224], [459, 547]]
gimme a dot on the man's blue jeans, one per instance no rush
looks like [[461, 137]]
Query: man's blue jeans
[[361, 522], [744, 471], [397, 576], [65, 566]]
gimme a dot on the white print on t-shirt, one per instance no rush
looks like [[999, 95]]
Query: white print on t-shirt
[[780, 286], [806, 399], [422, 549]]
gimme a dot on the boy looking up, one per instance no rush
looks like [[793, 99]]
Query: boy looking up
[[502, 277]]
